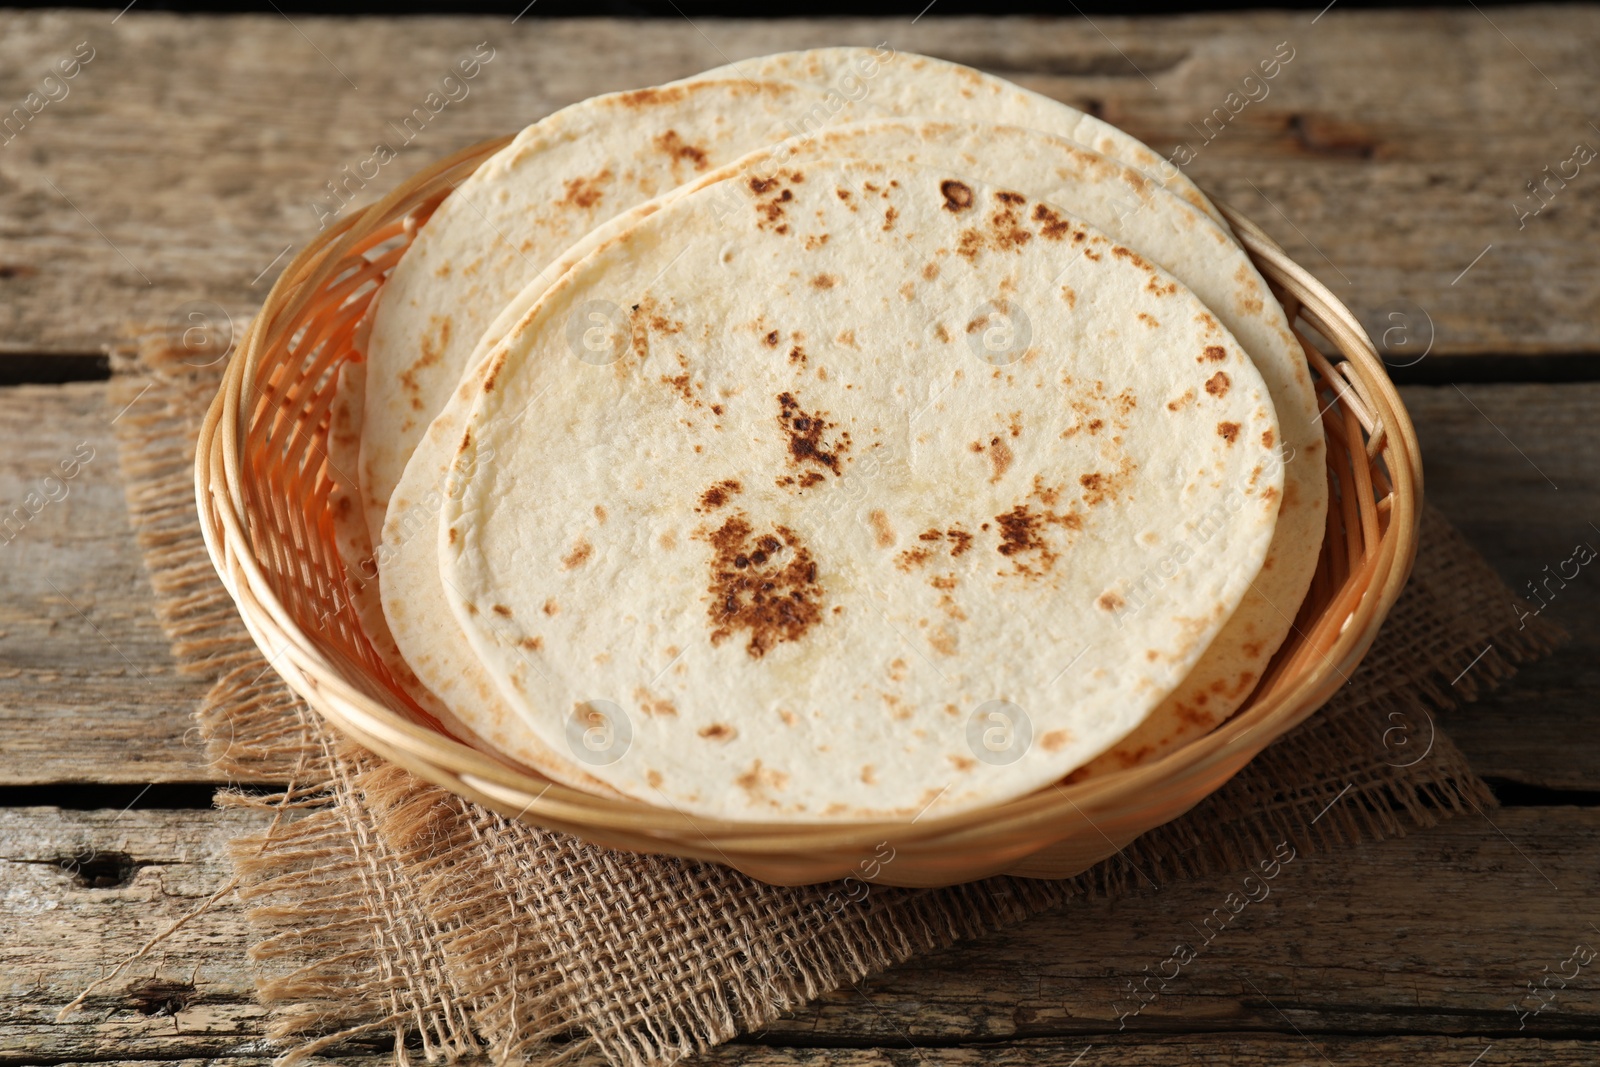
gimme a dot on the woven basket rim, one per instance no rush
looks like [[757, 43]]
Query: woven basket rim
[[1366, 393]]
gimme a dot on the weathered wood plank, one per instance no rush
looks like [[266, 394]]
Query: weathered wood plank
[[189, 152], [1514, 466], [1238, 1050], [88, 690], [73, 709], [1436, 935]]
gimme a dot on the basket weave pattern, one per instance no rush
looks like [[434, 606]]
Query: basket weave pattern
[[263, 487]]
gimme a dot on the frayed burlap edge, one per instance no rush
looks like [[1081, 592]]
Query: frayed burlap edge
[[387, 906]]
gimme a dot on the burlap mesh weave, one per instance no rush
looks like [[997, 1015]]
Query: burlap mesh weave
[[386, 904]]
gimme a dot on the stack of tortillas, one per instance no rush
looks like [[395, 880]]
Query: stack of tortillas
[[837, 435]]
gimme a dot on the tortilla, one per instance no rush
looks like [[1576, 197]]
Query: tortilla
[[1109, 196], [904, 83], [661, 568]]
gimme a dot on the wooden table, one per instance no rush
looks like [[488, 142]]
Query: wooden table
[[1392, 154]]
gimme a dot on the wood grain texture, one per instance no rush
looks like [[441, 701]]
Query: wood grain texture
[[1387, 154], [1431, 938], [94, 696], [88, 690]]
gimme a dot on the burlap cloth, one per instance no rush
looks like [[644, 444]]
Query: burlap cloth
[[385, 904]]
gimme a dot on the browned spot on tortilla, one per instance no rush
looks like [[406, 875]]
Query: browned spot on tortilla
[[957, 196], [759, 779], [882, 532], [640, 98], [1266, 438], [930, 270], [962, 763], [815, 241], [1007, 197], [797, 355], [764, 585], [943, 640], [1149, 320], [1132, 257], [941, 333], [718, 731], [772, 339], [585, 192], [868, 775], [668, 540], [1051, 225], [531, 644], [579, 554], [1217, 384], [1055, 740], [912, 557], [679, 149], [1109, 601], [999, 459], [889, 215], [653, 777], [1177, 405], [599, 513], [1156, 286], [718, 494], [501, 609], [1215, 353], [551, 607], [654, 706], [824, 281], [843, 194], [805, 430], [1228, 431]]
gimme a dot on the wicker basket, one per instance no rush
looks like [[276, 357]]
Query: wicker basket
[[263, 489]]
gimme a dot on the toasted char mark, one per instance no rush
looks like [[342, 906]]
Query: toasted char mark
[[771, 339], [869, 776], [578, 556], [1132, 257], [653, 777], [531, 644], [1109, 601], [600, 513], [805, 432], [1266, 438], [762, 585], [716, 496], [585, 193], [551, 607], [1150, 321], [882, 532], [1217, 384], [1214, 353], [1055, 740], [1007, 197], [889, 215], [957, 196], [1228, 431], [930, 270], [824, 281], [1180, 402], [815, 241], [1052, 227], [679, 149], [501, 609], [943, 640], [1156, 286], [718, 731]]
